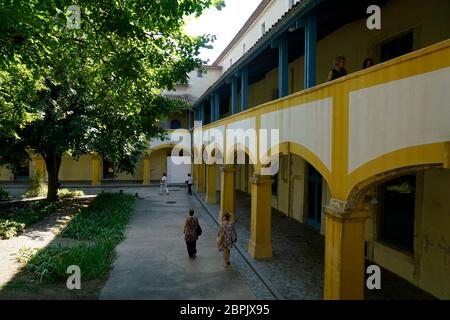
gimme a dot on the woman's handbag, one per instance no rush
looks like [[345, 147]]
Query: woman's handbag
[[219, 237], [199, 230]]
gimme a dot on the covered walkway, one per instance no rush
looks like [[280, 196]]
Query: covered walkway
[[296, 268]]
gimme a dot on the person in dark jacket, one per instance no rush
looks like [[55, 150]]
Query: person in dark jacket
[[338, 69], [190, 234]]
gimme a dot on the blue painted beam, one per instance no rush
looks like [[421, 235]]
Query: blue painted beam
[[202, 114], [310, 50], [244, 89], [213, 108], [283, 67], [217, 106], [234, 95]]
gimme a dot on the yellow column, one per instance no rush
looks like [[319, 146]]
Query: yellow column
[[200, 183], [96, 170], [227, 192], [211, 184], [146, 171], [39, 164], [344, 254], [446, 155], [260, 244], [195, 173]]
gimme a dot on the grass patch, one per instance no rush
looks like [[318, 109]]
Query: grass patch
[[66, 193], [14, 221], [102, 223], [51, 264], [104, 220], [4, 195]]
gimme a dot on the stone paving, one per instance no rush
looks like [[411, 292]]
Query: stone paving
[[296, 268], [152, 262]]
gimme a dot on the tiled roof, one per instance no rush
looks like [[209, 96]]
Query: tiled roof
[[294, 11], [180, 97]]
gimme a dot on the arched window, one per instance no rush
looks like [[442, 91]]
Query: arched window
[[175, 124]]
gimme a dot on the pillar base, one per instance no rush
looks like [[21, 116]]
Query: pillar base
[[210, 199], [260, 251]]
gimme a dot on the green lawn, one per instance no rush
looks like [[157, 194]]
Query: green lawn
[[98, 228]]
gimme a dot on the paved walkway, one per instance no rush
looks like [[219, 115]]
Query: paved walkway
[[152, 262]]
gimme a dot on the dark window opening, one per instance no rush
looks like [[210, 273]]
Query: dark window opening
[[275, 185], [175, 124], [108, 170], [398, 46], [314, 192], [22, 171], [397, 208]]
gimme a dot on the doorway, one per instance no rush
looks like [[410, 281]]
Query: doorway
[[315, 182]]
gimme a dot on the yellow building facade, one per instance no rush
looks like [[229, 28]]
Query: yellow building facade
[[349, 150]]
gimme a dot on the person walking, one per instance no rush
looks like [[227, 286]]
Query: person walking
[[226, 237], [189, 183], [191, 232], [163, 184]]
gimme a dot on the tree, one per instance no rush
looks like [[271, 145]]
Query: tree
[[93, 89]]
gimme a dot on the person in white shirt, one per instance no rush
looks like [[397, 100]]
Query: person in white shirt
[[163, 184], [189, 182]]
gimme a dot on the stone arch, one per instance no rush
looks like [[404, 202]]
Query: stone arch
[[356, 196]]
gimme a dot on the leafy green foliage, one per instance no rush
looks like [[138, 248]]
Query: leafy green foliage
[[14, 222], [66, 193], [93, 89], [102, 223], [4, 195], [105, 219], [37, 188], [51, 263]]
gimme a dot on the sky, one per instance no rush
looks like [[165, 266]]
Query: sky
[[225, 24]]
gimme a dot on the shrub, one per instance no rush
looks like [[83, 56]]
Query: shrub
[[24, 217], [105, 218], [94, 260], [4, 195], [37, 188], [66, 193]]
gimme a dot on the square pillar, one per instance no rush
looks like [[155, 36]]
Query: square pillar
[[227, 192], [211, 184], [260, 243], [344, 276], [234, 95], [212, 108], [96, 170], [283, 67], [310, 50], [244, 89], [146, 171], [38, 163], [200, 185]]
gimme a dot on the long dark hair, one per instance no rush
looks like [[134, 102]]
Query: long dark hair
[[364, 66]]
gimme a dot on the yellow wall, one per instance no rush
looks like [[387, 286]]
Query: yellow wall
[[137, 176], [72, 170], [429, 266], [158, 163], [5, 174]]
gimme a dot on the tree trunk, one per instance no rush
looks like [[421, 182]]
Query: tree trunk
[[53, 163]]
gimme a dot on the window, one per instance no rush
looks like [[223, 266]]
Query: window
[[231, 62], [263, 28], [396, 47], [397, 210], [108, 169], [275, 185], [200, 73], [22, 171], [243, 48], [175, 124]]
